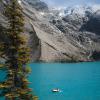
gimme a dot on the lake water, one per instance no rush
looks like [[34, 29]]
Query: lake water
[[76, 81], [80, 81]]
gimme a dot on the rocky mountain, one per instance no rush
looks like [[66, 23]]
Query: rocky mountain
[[68, 34], [38, 5]]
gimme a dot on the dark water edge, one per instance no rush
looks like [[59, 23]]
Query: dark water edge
[[64, 61]]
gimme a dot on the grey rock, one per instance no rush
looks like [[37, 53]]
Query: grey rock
[[38, 5], [60, 38]]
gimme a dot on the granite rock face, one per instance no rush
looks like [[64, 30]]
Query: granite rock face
[[61, 35]]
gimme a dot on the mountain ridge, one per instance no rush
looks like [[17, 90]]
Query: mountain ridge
[[60, 38]]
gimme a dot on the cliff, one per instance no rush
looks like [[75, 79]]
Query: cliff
[[61, 35]]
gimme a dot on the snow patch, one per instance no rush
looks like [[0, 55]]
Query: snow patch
[[42, 13], [77, 9], [19, 1]]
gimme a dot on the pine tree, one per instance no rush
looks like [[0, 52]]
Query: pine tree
[[17, 55]]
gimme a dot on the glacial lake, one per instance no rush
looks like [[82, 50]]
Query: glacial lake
[[76, 81]]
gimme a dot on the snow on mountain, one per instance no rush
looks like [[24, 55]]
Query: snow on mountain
[[60, 34], [19, 1], [77, 9]]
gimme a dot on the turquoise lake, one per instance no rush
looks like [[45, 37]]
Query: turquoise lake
[[77, 81], [80, 81]]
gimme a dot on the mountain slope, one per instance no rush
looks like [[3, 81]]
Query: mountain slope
[[53, 37]]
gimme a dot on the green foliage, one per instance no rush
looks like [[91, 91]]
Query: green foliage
[[17, 55]]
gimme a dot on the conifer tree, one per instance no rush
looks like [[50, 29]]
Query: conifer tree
[[17, 55]]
